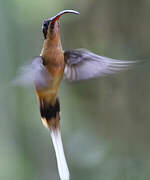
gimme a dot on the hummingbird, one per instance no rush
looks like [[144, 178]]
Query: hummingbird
[[47, 71]]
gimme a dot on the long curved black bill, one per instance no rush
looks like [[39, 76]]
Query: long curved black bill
[[56, 18]]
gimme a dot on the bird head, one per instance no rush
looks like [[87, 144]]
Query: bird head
[[51, 26]]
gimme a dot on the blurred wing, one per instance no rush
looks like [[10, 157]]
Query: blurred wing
[[35, 73], [83, 64]]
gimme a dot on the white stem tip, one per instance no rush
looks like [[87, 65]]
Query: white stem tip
[[60, 156]]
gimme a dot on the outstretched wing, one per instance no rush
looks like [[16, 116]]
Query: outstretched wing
[[35, 73], [82, 64]]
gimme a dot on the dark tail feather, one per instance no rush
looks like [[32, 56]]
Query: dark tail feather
[[50, 113]]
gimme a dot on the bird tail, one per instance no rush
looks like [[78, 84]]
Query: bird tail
[[60, 156], [51, 120]]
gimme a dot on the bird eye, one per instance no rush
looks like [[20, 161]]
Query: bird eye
[[52, 25]]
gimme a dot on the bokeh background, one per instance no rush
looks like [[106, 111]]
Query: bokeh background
[[105, 122]]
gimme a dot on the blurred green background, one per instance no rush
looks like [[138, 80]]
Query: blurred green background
[[105, 122]]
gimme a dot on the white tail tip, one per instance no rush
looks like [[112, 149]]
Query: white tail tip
[[60, 156]]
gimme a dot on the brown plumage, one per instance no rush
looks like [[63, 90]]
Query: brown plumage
[[47, 71], [53, 65], [53, 59]]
